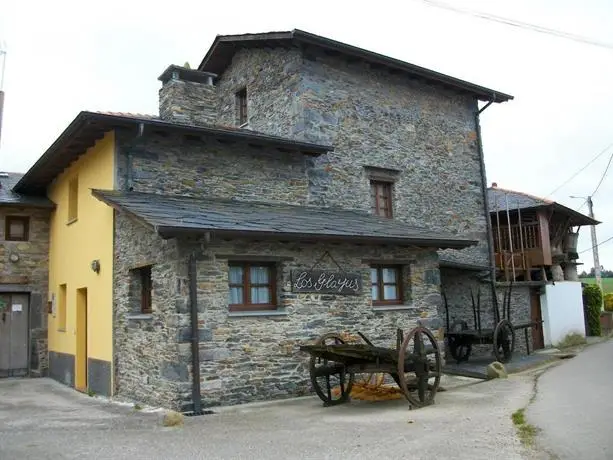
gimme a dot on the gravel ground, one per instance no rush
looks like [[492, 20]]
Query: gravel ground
[[41, 419]]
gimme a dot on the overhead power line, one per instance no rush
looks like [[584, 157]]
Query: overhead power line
[[604, 174], [599, 244], [580, 170], [521, 25]]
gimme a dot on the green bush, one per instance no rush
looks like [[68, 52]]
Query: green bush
[[592, 302], [608, 301]]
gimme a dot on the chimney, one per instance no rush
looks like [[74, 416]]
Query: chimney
[[188, 96], [494, 184]]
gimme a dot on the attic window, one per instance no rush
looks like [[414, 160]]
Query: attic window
[[241, 107]]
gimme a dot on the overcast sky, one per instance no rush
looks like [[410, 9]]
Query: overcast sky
[[67, 56]]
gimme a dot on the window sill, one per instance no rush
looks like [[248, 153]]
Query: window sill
[[71, 221], [139, 316], [392, 307], [244, 125], [257, 313]]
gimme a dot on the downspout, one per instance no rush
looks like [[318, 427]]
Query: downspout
[[486, 206], [193, 307]]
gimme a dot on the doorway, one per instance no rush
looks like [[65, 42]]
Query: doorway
[[538, 341], [81, 355], [14, 335]]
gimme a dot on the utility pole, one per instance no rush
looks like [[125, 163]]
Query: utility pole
[[594, 245], [597, 275]]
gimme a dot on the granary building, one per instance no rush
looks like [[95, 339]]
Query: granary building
[[291, 185]]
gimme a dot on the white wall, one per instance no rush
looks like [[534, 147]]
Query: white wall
[[562, 311]]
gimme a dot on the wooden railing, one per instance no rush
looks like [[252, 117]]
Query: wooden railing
[[526, 236]]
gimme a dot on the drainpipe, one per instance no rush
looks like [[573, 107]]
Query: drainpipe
[[486, 207], [193, 304]]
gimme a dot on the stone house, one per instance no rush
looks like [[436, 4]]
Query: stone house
[[24, 232], [282, 154]]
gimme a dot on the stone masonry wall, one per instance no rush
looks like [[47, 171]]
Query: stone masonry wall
[[146, 351], [33, 265], [458, 284], [183, 166], [426, 133], [188, 102], [249, 358]]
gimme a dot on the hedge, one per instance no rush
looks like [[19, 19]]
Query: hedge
[[592, 302]]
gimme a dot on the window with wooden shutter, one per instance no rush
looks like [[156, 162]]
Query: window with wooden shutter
[[381, 198]]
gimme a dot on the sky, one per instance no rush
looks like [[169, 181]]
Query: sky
[[67, 56]]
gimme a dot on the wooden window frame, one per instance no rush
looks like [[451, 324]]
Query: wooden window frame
[[25, 220], [381, 285], [242, 114], [146, 287], [246, 285], [73, 200], [376, 186]]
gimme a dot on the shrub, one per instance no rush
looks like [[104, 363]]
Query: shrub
[[608, 301], [592, 301], [571, 339]]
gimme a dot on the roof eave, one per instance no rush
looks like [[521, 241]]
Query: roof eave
[[174, 232], [483, 93]]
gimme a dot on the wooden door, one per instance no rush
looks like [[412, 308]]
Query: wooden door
[[538, 341], [81, 357]]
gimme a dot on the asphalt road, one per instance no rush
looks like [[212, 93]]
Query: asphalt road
[[574, 406], [41, 419]]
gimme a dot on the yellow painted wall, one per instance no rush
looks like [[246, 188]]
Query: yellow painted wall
[[73, 246]]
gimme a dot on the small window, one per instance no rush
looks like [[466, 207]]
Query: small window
[[61, 308], [251, 286], [381, 198], [145, 289], [17, 228], [241, 107], [386, 284], [73, 200]]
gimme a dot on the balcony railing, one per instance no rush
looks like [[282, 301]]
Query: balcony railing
[[526, 236]]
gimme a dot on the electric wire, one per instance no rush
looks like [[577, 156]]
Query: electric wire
[[521, 24], [599, 244]]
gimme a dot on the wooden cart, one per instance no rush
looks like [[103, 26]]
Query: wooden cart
[[415, 365]]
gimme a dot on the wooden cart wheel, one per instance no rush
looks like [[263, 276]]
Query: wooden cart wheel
[[458, 348], [419, 366], [330, 380], [504, 341]]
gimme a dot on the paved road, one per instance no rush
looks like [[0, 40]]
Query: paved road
[[41, 419], [574, 406]]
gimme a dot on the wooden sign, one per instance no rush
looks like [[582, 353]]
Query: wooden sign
[[326, 282]]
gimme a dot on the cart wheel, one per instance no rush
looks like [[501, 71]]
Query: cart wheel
[[458, 348], [330, 380], [504, 341], [419, 367]]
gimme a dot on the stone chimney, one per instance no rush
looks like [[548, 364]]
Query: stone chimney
[[188, 96]]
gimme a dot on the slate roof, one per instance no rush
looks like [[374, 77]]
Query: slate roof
[[174, 215], [497, 201], [89, 127], [10, 198], [220, 54]]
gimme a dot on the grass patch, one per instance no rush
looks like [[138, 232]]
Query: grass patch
[[572, 339], [607, 283], [525, 431], [138, 407]]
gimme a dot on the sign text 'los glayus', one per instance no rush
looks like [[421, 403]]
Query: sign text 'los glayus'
[[326, 282]]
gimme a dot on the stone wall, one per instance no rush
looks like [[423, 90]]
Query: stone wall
[[248, 358], [146, 352], [180, 165], [425, 134], [29, 274], [188, 102], [457, 284]]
